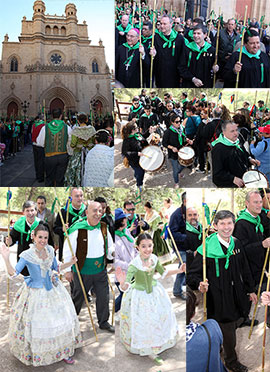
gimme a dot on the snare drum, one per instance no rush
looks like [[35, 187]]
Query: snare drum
[[254, 178], [152, 159], [186, 156]]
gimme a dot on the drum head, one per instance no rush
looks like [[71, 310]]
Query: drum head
[[152, 158], [186, 153], [254, 178]]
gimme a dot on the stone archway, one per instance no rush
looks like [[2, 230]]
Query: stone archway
[[57, 103], [60, 97], [12, 110]]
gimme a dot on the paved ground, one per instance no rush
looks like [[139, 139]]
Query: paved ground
[[124, 177], [19, 170], [249, 351]]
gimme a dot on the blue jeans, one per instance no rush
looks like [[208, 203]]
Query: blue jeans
[[180, 278], [177, 169], [138, 174]]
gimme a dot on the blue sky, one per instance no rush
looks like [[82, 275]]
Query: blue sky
[[98, 14]]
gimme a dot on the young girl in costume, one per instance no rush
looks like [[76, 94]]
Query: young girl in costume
[[44, 327], [148, 325]]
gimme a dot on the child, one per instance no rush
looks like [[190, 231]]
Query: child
[[148, 325], [44, 327]]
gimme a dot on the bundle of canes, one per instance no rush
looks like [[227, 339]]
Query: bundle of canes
[[210, 25], [113, 294], [76, 265], [153, 38], [8, 208], [213, 216], [204, 254], [216, 57], [261, 279], [242, 44], [141, 70], [266, 103], [265, 318], [175, 246]]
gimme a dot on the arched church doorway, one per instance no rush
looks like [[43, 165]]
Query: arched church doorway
[[56, 103], [12, 110]]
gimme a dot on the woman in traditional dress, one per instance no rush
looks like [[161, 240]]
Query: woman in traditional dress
[[44, 327], [151, 217], [148, 325], [82, 140]]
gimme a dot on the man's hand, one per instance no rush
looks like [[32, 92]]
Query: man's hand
[[215, 68], [153, 52], [197, 82], [203, 287], [255, 162], [253, 297], [69, 276], [67, 226], [266, 243], [141, 50], [238, 182], [237, 67]]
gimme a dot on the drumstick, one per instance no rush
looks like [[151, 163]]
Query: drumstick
[[149, 157]]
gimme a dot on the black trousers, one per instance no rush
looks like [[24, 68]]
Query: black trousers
[[99, 282], [55, 168], [229, 340], [38, 153]]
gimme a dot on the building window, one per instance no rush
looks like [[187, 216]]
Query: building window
[[94, 66], [48, 30], [14, 65], [63, 31], [55, 30]]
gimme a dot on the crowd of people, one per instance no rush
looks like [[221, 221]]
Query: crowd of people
[[71, 151], [236, 249], [196, 131], [185, 52]]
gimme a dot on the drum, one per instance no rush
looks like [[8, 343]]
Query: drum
[[154, 139], [186, 156], [152, 159], [254, 178]]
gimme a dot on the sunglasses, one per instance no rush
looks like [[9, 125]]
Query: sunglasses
[[130, 209], [177, 121]]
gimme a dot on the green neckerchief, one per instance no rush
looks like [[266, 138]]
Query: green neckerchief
[[244, 215], [76, 215], [37, 123], [129, 223], [55, 126], [184, 100], [244, 51], [195, 48], [181, 134], [133, 48], [82, 225], [213, 250], [144, 40], [192, 229], [226, 142], [153, 99], [137, 109], [120, 28], [123, 233], [266, 210], [20, 226], [138, 136], [190, 34], [203, 99], [169, 42], [146, 116]]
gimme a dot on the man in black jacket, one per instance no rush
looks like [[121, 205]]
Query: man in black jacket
[[230, 160], [227, 39]]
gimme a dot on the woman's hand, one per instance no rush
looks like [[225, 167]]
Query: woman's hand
[[4, 251]]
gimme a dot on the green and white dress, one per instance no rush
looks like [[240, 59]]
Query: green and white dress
[[147, 324]]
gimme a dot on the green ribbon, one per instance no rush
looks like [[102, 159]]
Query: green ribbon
[[144, 40], [123, 233], [9, 196], [181, 134], [262, 73], [76, 215], [133, 109], [55, 126], [226, 142], [53, 205], [207, 213], [129, 223], [213, 250], [128, 28], [244, 51], [195, 48], [192, 229], [244, 215], [266, 210], [20, 226], [138, 136], [133, 48], [169, 43], [82, 225]]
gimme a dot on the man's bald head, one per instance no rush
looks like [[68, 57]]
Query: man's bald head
[[192, 216], [94, 213], [132, 37], [77, 197], [124, 20]]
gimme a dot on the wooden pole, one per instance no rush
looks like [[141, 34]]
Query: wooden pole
[[232, 201], [44, 108], [266, 103], [141, 69], [76, 265], [212, 218], [216, 57], [133, 12], [153, 38], [113, 294], [8, 206], [185, 9], [210, 25], [265, 318], [204, 254], [241, 48], [175, 246]]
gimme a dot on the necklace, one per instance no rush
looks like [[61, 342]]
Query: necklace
[[42, 254]]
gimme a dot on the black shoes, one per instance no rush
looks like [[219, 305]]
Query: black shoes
[[237, 367], [247, 323], [182, 296], [107, 327]]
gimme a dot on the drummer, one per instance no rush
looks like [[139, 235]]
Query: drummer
[[230, 159], [133, 143], [261, 151], [148, 122], [174, 139]]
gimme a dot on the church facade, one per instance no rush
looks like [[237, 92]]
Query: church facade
[[53, 65]]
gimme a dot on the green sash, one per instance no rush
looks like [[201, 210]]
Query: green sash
[[76, 215], [82, 225], [169, 42], [244, 215], [226, 142], [192, 229], [129, 223], [123, 233], [120, 28], [20, 227], [55, 126], [244, 51], [213, 250], [133, 48], [138, 136], [180, 134], [146, 116]]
